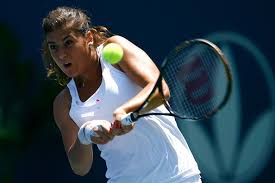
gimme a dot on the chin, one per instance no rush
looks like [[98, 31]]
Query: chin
[[70, 74]]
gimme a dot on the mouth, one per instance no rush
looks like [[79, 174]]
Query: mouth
[[67, 65]]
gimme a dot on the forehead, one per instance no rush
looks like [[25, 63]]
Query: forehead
[[61, 34]]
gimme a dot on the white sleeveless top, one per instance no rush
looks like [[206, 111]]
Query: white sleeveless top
[[153, 152]]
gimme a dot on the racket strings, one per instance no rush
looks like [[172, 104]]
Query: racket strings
[[197, 80]]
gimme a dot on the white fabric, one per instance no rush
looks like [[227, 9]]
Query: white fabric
[[154, 151], [89, 128], [84, 134]]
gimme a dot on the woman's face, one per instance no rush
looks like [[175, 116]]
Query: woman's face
[[69, 50]]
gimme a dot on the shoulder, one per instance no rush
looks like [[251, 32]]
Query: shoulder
[[115, 39], [122, 41], [130, 51], [136, 63], [61, 105], [62, 98]]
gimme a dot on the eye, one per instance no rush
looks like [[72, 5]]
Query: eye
[[68, 43], [53, 47]]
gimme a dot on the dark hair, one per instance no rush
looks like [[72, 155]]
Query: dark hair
[[75, 19]]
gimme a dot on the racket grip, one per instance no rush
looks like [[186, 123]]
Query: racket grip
[[128, 119]]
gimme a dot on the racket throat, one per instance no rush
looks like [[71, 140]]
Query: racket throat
[[134, 116], [129, 118]]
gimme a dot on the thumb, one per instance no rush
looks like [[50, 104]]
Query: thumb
[[116, 124]]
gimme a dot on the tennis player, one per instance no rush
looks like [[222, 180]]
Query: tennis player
[[95, 96]]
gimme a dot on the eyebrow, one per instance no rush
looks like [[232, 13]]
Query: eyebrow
[[52, 42]]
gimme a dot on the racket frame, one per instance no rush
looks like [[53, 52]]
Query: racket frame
[[134, 116]]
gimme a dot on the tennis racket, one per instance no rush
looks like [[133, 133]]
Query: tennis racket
[[199, 79]]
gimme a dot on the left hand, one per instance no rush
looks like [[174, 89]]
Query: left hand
[[117, 128], [95, 131]]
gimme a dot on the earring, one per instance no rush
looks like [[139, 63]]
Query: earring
[[90, 44]]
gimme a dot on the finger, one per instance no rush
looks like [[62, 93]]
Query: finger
[[119, 129], [116, 124], [128, 127], [99, 140], [118, 132], [104, 133], [116, 128], [108, 132]]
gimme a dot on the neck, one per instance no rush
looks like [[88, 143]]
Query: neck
[[91, 76]]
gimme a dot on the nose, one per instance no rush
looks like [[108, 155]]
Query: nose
[[61, 54]]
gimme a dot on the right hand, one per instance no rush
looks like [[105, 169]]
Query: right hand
[[118, 128]]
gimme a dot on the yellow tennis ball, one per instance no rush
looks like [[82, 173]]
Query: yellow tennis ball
[[112, 53]]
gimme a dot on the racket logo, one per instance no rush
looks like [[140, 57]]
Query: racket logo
[[195, 80]]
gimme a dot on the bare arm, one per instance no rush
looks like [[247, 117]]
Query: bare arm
[[80, 156], [142, 70]]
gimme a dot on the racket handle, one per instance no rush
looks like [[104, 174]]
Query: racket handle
[[128, 119]]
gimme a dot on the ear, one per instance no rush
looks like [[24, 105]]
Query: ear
[[90, 37]]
